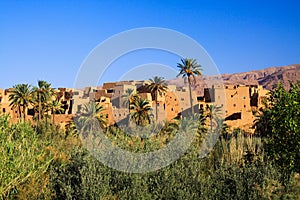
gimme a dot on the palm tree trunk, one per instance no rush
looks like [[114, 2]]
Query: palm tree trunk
[[39, 119], [191, 97], [24, 113], [156, 113], [20, 113], [53, 116], [211, 122]]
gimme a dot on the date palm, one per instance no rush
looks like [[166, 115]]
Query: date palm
[[42, 93], [92, 116], [55, 107], [212, 112], [157, 87], [21, 96], [127, 97], [189, 68], [140, 111]]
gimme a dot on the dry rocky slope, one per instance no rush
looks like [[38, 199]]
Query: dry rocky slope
[[267, 77]]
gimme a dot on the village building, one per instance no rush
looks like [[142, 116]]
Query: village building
[[236, 103]]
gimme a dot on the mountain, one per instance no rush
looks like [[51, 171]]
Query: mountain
[[267, 77]]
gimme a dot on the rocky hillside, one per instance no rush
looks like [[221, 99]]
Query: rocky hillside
[[266, 77]]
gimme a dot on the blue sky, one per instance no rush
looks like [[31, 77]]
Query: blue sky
[[49, 40]]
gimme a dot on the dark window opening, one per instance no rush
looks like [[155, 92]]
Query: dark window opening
[[234, 116], [110, 91], [30, 112]]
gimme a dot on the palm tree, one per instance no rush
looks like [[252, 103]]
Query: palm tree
[[189, 68], [127, 97], [92, 116], [213, 113], [55, 107], [42, 93], [157, 87], [140, 109], [21, 96]]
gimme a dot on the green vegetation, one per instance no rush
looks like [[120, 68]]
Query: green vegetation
[[21, 96], [46, 161], [140, 111], [279, 125]]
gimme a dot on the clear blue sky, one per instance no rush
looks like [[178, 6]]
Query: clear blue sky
[[49, 40]]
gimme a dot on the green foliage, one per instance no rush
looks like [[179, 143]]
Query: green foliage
[[213, 177], [26, 156], [279, 125], [91, 117], [42, 94], [21, 96], [140, 111]]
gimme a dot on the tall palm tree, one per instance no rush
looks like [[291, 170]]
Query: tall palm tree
[[55, 107], [42, 94], [157, 87], [140, 111], [189, 68], [213, 113], [21, 96], [92, 116]]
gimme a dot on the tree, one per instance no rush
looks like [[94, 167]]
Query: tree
[[42, 94], [21, 96], [279, 126], [189, 68], [55, 107], [127, 97], [140, 109], [157, 87], [92, 117], [213, 113]]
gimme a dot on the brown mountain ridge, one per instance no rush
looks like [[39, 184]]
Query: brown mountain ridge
[[267, 77]]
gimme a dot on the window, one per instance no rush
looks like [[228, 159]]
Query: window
[[182, 99], [244, 106], [3, 109], [172, 109], [234, 105]]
